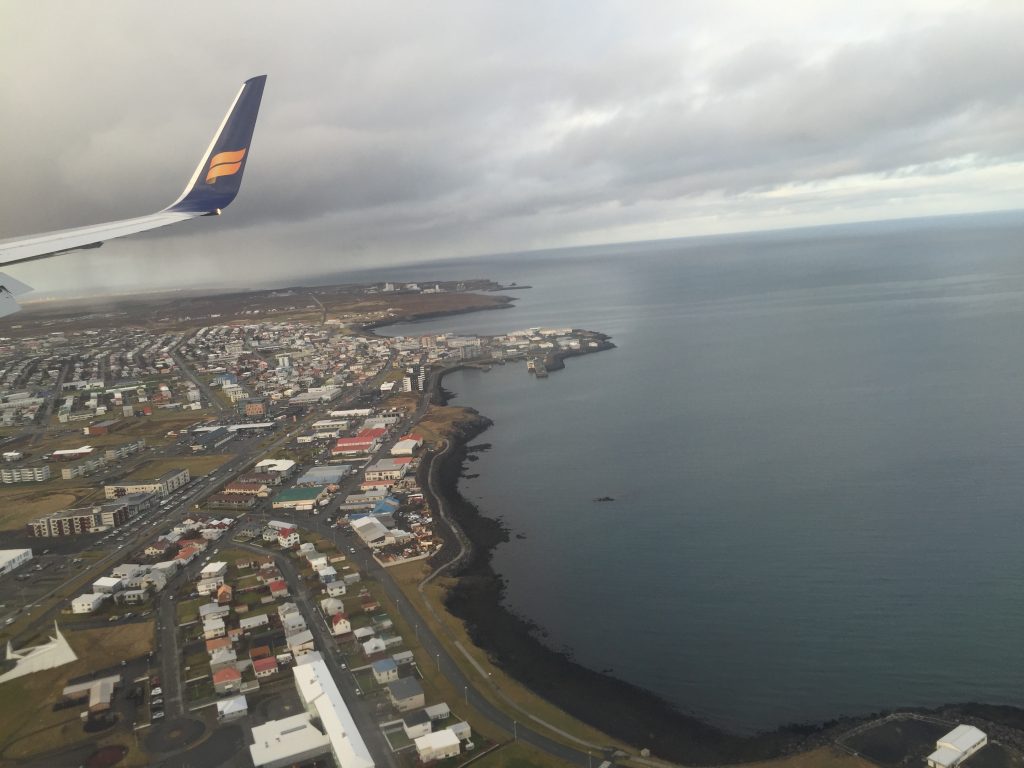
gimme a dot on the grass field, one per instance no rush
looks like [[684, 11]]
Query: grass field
[[21, 503], [28, 724], [196, 465]]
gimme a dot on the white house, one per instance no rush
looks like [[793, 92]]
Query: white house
[[214, 570], [331, 606], [293, 622], [374, 645], [437, 746], [301, 643], [88, 603], [213, 628], [337, 588], [249, 623], [340, 625], [107, 585], [209, 586]]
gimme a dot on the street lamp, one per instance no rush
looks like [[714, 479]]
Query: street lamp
[[465, 689], [515, 731], [438, 657]]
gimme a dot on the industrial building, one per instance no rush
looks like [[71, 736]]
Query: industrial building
[[13, 558], [325, 475], [296, 739], [956, 746], [300, 499]]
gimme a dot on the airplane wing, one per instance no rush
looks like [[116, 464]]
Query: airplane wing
[[213, 186]]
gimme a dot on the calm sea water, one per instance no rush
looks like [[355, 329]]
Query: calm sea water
[[815, 442]]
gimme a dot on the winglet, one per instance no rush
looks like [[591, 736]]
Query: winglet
[[218, 177]]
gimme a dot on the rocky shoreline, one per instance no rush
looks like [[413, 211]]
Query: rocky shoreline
[[622, 710]]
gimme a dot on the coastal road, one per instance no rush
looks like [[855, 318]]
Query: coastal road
[[470, 684]]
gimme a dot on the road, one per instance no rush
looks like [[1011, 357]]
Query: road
[[328, 647], [470, 684], [186, 369]]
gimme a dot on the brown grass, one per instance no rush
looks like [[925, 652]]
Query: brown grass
[[28, 724], [196, 465], [21, 503]]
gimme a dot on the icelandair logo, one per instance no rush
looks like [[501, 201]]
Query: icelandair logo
[[224, 164]]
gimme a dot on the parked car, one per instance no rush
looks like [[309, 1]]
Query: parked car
[[157, 715], [158, 691]]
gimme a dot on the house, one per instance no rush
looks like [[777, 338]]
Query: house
[[132, 596], [374, 646], [259, 652], [364, 633], [403, 657], [213, 611], [224, 594], [286, 609], [328, 574], [88, 603], [293, 622], [461, 730], [227, 680], [332, 606], [209, 586], [337, 588], [439, 712], [249, 623], [158, 548], [232, 709], [406, 694], [213, 628], [223, 658], [340, 625], [217, 643], [416, 724], [127, 571], [288, 538], [384, 671], [106, 585], [214, 570], [301, 643], [278, 588], [265, 667], [155, 579], [437, 746]]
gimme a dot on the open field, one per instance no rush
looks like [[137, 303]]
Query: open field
[[28, 723], [439, 421], [21, 503], [196, 465]]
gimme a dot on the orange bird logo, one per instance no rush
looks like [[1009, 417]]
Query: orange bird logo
[[224, 164]]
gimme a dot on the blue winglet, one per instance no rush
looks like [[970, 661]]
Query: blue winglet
[[218, 177]]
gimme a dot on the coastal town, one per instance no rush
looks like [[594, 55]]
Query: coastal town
[[229, 531], [199, 529]]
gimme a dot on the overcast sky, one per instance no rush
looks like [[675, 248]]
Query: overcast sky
[[395, 133]]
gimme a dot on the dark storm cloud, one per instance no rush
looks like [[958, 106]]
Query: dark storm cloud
[[404, 132]]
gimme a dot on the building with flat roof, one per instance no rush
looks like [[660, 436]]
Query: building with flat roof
[[301, 499], [437, 746], [321, 697], [164, 485], [13, 558], [289, 741]]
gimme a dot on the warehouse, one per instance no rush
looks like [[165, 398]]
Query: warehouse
[[300, 499], [327, 475], [956, 746], [12, 558]]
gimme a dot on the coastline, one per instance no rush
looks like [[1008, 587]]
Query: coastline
[[615, 707]]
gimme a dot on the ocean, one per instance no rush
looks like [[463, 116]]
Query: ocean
[[815, 444]]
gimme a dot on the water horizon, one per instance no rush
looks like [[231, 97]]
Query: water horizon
[[815, 447]]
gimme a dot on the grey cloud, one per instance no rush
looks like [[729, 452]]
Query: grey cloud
[[405, 132]]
